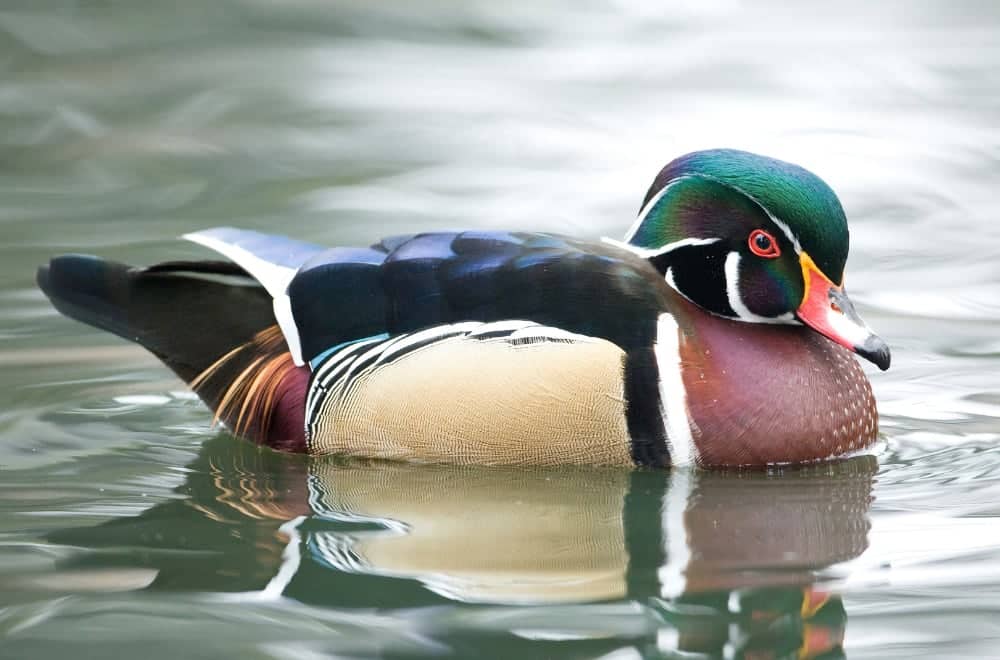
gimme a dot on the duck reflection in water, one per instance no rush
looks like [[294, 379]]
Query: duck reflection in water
[[699, 562]]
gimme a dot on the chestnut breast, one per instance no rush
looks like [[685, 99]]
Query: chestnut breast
[[759, 393]]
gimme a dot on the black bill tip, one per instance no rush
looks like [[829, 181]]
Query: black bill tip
[[876, 351]]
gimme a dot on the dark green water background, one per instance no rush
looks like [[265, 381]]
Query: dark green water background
[[130, 528]]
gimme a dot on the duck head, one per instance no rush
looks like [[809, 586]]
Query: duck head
[[754, 239]]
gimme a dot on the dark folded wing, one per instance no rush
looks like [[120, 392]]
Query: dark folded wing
[[407, 283]]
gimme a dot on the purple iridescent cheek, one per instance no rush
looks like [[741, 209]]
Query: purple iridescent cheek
[[768, 291]]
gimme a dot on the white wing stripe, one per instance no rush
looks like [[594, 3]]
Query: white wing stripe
[[271, 260], [274, 277]]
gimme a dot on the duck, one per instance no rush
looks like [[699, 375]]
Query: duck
[[717, 333]]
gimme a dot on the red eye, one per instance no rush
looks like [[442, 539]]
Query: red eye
[[763, 244]]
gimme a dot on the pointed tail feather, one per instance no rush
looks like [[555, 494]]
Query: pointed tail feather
[[210, 322]]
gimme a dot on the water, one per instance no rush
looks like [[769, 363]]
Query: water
[[128, 526]]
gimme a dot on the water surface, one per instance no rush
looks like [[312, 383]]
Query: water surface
[[129, 526]]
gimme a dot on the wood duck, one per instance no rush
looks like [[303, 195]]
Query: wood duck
[[717, 333]]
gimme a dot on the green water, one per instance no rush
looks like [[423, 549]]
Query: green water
[[130, 528]]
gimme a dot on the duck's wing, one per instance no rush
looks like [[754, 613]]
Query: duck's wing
[[407, 283], [272, 260], [326, 297]]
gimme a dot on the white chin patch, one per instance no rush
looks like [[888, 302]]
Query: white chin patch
[[736, 300], [846, 328]]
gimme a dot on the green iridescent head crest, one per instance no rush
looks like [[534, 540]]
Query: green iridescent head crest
[[692, 195], [754, 239]]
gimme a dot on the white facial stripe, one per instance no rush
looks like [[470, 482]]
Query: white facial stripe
[[647, 253], [673, 396], [733, 287], [736, 300], [672, 574], [786, 230], [669, 277], [634, 229], [846, 328]]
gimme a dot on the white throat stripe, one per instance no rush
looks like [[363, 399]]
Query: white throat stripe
[[785, 229]]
